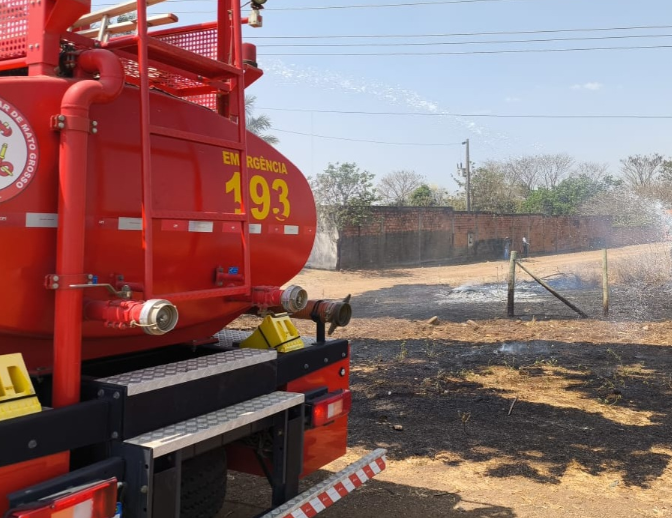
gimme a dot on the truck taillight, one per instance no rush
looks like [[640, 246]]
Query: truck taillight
[[330, 407], [97, 500]]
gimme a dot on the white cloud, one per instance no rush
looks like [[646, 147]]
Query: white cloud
[[512, 99], [592, 86]]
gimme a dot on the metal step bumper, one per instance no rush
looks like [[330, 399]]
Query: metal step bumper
[[326, 493], [156, 397], [154, 378], [153, 459], [181, 435]]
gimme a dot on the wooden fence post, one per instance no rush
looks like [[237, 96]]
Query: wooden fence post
[[605, 284], [512, 284]]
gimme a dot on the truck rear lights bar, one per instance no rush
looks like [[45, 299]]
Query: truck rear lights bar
[[326, 409], [326, 493], [97, 500]]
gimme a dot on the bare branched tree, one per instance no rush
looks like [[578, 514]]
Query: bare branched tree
[[641, 170], [396, 188], [524, 171], [553, 169], [625, 207], [593, 170]]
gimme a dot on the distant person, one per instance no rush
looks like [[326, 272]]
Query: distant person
[[526, 247], [507, 248]]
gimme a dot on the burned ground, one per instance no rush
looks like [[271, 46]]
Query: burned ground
[[543, 414]]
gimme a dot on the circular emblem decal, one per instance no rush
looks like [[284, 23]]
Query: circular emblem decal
[[18, 152]]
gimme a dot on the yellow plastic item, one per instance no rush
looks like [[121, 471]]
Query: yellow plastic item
[[275, 332], [17, 395]]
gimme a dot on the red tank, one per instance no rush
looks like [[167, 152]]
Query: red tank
[[192, 185]]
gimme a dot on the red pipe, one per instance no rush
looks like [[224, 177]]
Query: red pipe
[[145, 144], [73, 172], [291, 299], [121, 314], [156, 317]]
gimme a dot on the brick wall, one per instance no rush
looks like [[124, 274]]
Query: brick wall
[[413, 236], [625, 236]]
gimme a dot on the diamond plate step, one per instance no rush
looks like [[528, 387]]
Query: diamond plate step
[[180, 435], [153, 378]]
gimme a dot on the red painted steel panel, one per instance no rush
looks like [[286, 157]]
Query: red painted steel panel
[[187, 176], [29, 473], [321, 445], [327, 443]]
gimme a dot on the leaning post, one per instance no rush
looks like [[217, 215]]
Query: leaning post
[[552, 291]]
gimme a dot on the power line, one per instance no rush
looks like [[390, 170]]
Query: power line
[[468, 53], [460, 34], [483, 115], [435, 43], [361, 6], [375, 6], [367, 141]]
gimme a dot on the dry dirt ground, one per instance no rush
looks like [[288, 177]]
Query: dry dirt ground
[[543, 414]]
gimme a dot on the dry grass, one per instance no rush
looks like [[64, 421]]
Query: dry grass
[[650, 265]]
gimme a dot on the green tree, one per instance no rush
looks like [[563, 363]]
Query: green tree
[[456, 200], [422, 196], [258, 125], [568, 196], [492, 191], [493, 188], [429, 196], [344, 194]]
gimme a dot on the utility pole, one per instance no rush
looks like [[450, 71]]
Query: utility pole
[[466, 142]]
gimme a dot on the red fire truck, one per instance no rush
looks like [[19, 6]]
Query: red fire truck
[[138, 218]]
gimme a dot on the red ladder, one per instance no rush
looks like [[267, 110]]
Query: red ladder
[[226, 76]]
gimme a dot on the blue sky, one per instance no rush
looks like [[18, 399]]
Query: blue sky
[[597, 82]]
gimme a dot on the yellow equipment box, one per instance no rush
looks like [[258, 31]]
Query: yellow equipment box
[[275, 332], [17, 395]]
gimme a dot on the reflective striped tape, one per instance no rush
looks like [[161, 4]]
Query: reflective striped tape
[[326, 493], [41, 220], [201, 226], [130, 224], [292, 230], [50, 220]]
